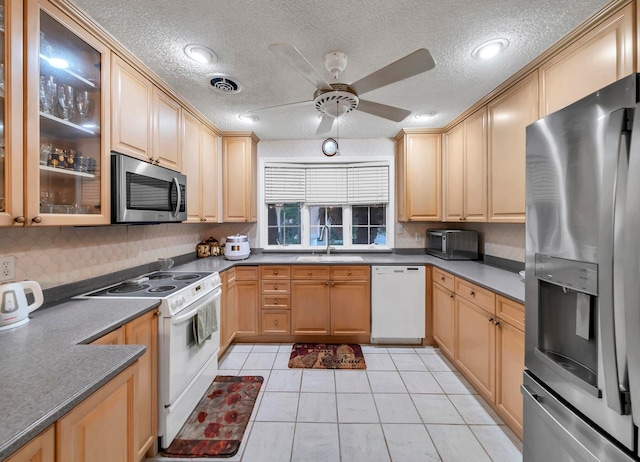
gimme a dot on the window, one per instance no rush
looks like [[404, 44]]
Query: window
[[350, 200]]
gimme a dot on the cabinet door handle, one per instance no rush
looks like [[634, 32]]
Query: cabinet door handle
[[19, 219], [490, 319], [333, 283], [275, 271], [451, 296], [37, 219], [442, 279], [472, 293], [497, 322], [326, 283], [275, 287], [309, 273], [275, 302], [349, 273]]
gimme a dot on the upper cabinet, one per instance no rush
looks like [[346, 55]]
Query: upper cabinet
[[509, 114], [600, 57], [465, 169], [166, 150], [418, 176], [66, 161], [239, 177]]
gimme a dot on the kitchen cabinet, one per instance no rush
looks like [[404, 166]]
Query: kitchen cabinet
[[465, 169], [66, 119], [200, 152], [418, 176], [600, 57], [239, 178], [443, 312], [144, 331], [101, 424], [165, 146], [247, 292], [227, 309], [509, 114], [115, 337], [330, 300], [276, 299], [39, 449]]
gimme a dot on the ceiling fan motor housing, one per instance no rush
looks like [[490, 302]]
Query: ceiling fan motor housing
[[340, 100]]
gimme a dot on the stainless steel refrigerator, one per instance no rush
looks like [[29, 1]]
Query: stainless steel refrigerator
[[581, 386]]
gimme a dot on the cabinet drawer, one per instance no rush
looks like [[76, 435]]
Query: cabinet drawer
[[276, 302], [510, 311], [310, 272], [344, 273], [231, 275], [274, 287], [276, 322], [482, 297], [247, 273], [275, 272], [443, 278]]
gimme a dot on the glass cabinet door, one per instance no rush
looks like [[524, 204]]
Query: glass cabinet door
[[65, 123]]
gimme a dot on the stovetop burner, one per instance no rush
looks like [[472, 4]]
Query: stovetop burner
[[160, 284]]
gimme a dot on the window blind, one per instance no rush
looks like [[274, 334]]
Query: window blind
[[368, 185], [326, 185], [284, 184]]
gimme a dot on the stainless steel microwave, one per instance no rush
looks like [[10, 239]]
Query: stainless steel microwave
[[145, 193], [453, 244]]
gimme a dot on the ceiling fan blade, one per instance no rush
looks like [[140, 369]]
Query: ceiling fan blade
[[325, 124], [382, 110], [413, 64], [300, 64], [281, 106]]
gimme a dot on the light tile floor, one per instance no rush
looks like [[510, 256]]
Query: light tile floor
[[409, 405]]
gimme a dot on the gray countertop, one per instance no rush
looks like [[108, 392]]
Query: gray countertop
[[504, 282], [47, 369]]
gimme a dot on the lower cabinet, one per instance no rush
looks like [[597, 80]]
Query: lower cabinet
[[275, 306], [350, 308], [247, 292], [42, 448], [101, 427], [443, 318], [310, 307], [227, 309]]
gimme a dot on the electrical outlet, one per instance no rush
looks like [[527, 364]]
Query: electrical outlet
[[418, 237], [400, 229], [7, 268]]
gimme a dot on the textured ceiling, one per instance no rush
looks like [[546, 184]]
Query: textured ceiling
[[373, 33]]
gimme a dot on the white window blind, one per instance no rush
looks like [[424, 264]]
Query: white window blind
[[326, 185], [368, 185], [284, 184]]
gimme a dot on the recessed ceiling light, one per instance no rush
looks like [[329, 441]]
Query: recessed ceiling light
[[488, 50], [425, 115], [200, 54], [249, 117]]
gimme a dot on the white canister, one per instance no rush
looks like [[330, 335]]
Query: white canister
[[237, 247]]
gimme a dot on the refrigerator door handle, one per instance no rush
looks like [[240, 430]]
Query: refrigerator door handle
[[632, 269], [616, 147]]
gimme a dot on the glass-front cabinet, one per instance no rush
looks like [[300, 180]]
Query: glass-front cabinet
[[66, 158]]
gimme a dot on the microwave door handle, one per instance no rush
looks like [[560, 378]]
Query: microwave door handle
[[616, 132], [632, 269], [179, 199]]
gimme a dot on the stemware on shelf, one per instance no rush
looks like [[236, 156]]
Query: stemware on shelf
[[65, 100]]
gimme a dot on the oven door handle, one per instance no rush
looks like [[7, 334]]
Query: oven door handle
[[185, 317], [179, 199]]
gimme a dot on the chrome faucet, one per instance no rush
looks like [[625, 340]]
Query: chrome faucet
[[325, 231]]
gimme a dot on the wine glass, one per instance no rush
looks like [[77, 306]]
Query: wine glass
[[65, 99], [82, 102], [50, 93]]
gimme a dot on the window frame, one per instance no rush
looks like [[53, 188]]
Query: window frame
[[305, 231]]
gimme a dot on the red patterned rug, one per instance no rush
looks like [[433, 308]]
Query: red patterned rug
[[216, 426], [327, 356]]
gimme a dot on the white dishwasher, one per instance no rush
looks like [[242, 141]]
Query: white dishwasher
[[398, 304]]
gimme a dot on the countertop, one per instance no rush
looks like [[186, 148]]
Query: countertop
[[47, 368], [503, 282]]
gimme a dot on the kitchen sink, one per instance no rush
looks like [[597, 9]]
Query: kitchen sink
[[329, 258]]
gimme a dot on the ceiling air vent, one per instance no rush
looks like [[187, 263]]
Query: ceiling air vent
[[224, 84]]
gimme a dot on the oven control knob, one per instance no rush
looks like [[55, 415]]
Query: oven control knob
[[181, 300]]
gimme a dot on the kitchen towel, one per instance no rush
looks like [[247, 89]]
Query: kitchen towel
[[205, 322]]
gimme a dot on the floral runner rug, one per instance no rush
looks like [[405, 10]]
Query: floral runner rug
[[327, 356], [216, 426]]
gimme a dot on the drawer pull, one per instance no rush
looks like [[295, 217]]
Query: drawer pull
[[275, 322], [309, 273], [349, 273], [275, 302], [275, 271], [275, 287]]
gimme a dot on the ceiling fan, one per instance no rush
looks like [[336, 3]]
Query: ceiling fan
[[336, 99]]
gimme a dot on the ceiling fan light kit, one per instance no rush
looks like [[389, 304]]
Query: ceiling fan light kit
[[335, 62]]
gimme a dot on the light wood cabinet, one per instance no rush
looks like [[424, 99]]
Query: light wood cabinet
[[465, 170], [228, 308], [39, 449], [165, 146], [350, 307], [131, 110], [200, 152], [144, 331], [509, 369], [310, 307], [276, 322], [443, 318], [475, 346], [600, 57], [115, 337], [509, 115], [239, 178], [102, 425], [275, 301], [247, 292], [418, 176]]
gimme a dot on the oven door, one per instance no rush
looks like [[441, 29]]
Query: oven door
[[182, 358]]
